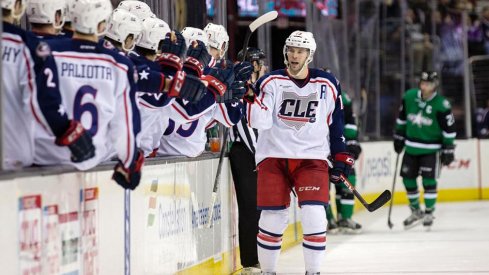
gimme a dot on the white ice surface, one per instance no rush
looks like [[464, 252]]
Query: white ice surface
[[458, 243]]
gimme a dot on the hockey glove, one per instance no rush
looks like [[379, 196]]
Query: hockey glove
[[79, 141], [398, 143], [243, 71], [233, 94], [174, 43], [354, 148], [169, 64], [447, 154], [197, 59], [187, 87], [342, 165], [129, 178], [219, 78]]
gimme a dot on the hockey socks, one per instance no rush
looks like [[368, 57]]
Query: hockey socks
[[269, 239], [430, 194], [412, 192], [314, 243]]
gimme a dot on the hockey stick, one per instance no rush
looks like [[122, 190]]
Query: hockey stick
[[267, 17], [376, 204], [389, 222], [127, 232]]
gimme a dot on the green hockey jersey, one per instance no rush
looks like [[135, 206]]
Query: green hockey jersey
[[426, 125], [351, 130]]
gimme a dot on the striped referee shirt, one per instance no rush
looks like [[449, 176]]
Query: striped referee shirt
[[241, 132]]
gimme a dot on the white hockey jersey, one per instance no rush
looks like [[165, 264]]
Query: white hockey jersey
[[86, 82], [189, 139], [18, 85], [297, 120]]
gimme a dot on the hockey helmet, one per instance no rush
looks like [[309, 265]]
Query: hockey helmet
[[194, 34], [86, 15], [10, 5], [154, 31], [123, 24], [300, 39], [44, 12], [138, 8], [218, 37], [252, 54]]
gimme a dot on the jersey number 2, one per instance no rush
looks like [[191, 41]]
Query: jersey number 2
[[80, 107]]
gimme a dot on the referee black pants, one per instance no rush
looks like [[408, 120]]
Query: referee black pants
[[245, 180]]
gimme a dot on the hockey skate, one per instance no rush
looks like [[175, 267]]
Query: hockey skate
[[332, 227], [349, 226], [414, 219], [312, 273], [251, 270], [428, 220]]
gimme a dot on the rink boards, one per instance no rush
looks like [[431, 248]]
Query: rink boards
[[73, 223]]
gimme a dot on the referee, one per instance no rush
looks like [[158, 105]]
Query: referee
[[243, 169]]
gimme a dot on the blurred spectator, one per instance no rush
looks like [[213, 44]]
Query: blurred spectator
[[485, 27], [482, 120], [419, 41], [475, 36]]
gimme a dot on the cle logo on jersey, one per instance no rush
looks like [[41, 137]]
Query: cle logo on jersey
[[296, 111]]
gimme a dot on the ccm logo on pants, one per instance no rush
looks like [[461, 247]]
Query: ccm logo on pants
[[309, 188]]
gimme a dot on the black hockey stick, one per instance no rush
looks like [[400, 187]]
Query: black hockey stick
[[389, 222], [371, 207], [267, 17]]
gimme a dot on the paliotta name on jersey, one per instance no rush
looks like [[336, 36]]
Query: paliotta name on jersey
[[85, 71]]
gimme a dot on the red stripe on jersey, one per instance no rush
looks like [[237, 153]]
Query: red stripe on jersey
[[294, 119], [211, 124], [183, 114], [91, 58], [13, 40], [225, 115], [329, 118], [272, 78], [249, 114], [147, 105], [268, 238], [127, 124], [315, 239]]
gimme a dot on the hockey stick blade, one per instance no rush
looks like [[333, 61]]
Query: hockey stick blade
[[376, 204], [267, 17]]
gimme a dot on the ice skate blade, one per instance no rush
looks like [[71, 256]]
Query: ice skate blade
[[414, 224]]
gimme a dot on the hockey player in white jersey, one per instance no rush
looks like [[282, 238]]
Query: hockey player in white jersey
[[46, 17], [218, 41], [298, 113], [18, 86], [87, 92], [123, 30]]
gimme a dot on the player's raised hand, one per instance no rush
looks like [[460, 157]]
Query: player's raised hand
[[243, 71], [78, 140], [197, 58], [234, 93], [129, 178], [187, 87], [220, 77], [172, 49], [174, 43]]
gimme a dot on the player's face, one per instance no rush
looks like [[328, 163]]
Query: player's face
[[129, 42], [427, 87], [257, 64], [297, 58]]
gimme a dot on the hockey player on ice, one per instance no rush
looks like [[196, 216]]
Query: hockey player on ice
[[294, 109], [87, 97], [426, 128]]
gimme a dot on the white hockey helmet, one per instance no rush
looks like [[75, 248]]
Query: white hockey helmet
[[300, 39], [122, 24], [138, 8], [218, 37], [194, 34], [86, 15], [44, 12], [10, 5], [154, 31], [69, 4]]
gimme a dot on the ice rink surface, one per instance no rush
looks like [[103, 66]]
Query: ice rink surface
[[458, 243]]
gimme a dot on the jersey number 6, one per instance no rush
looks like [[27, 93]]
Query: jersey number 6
[[79, 107]]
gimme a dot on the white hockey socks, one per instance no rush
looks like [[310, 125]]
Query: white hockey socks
[[269, 240], [314, 228]]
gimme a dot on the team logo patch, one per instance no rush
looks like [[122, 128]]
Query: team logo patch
[[296, 111], [43, 50]]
